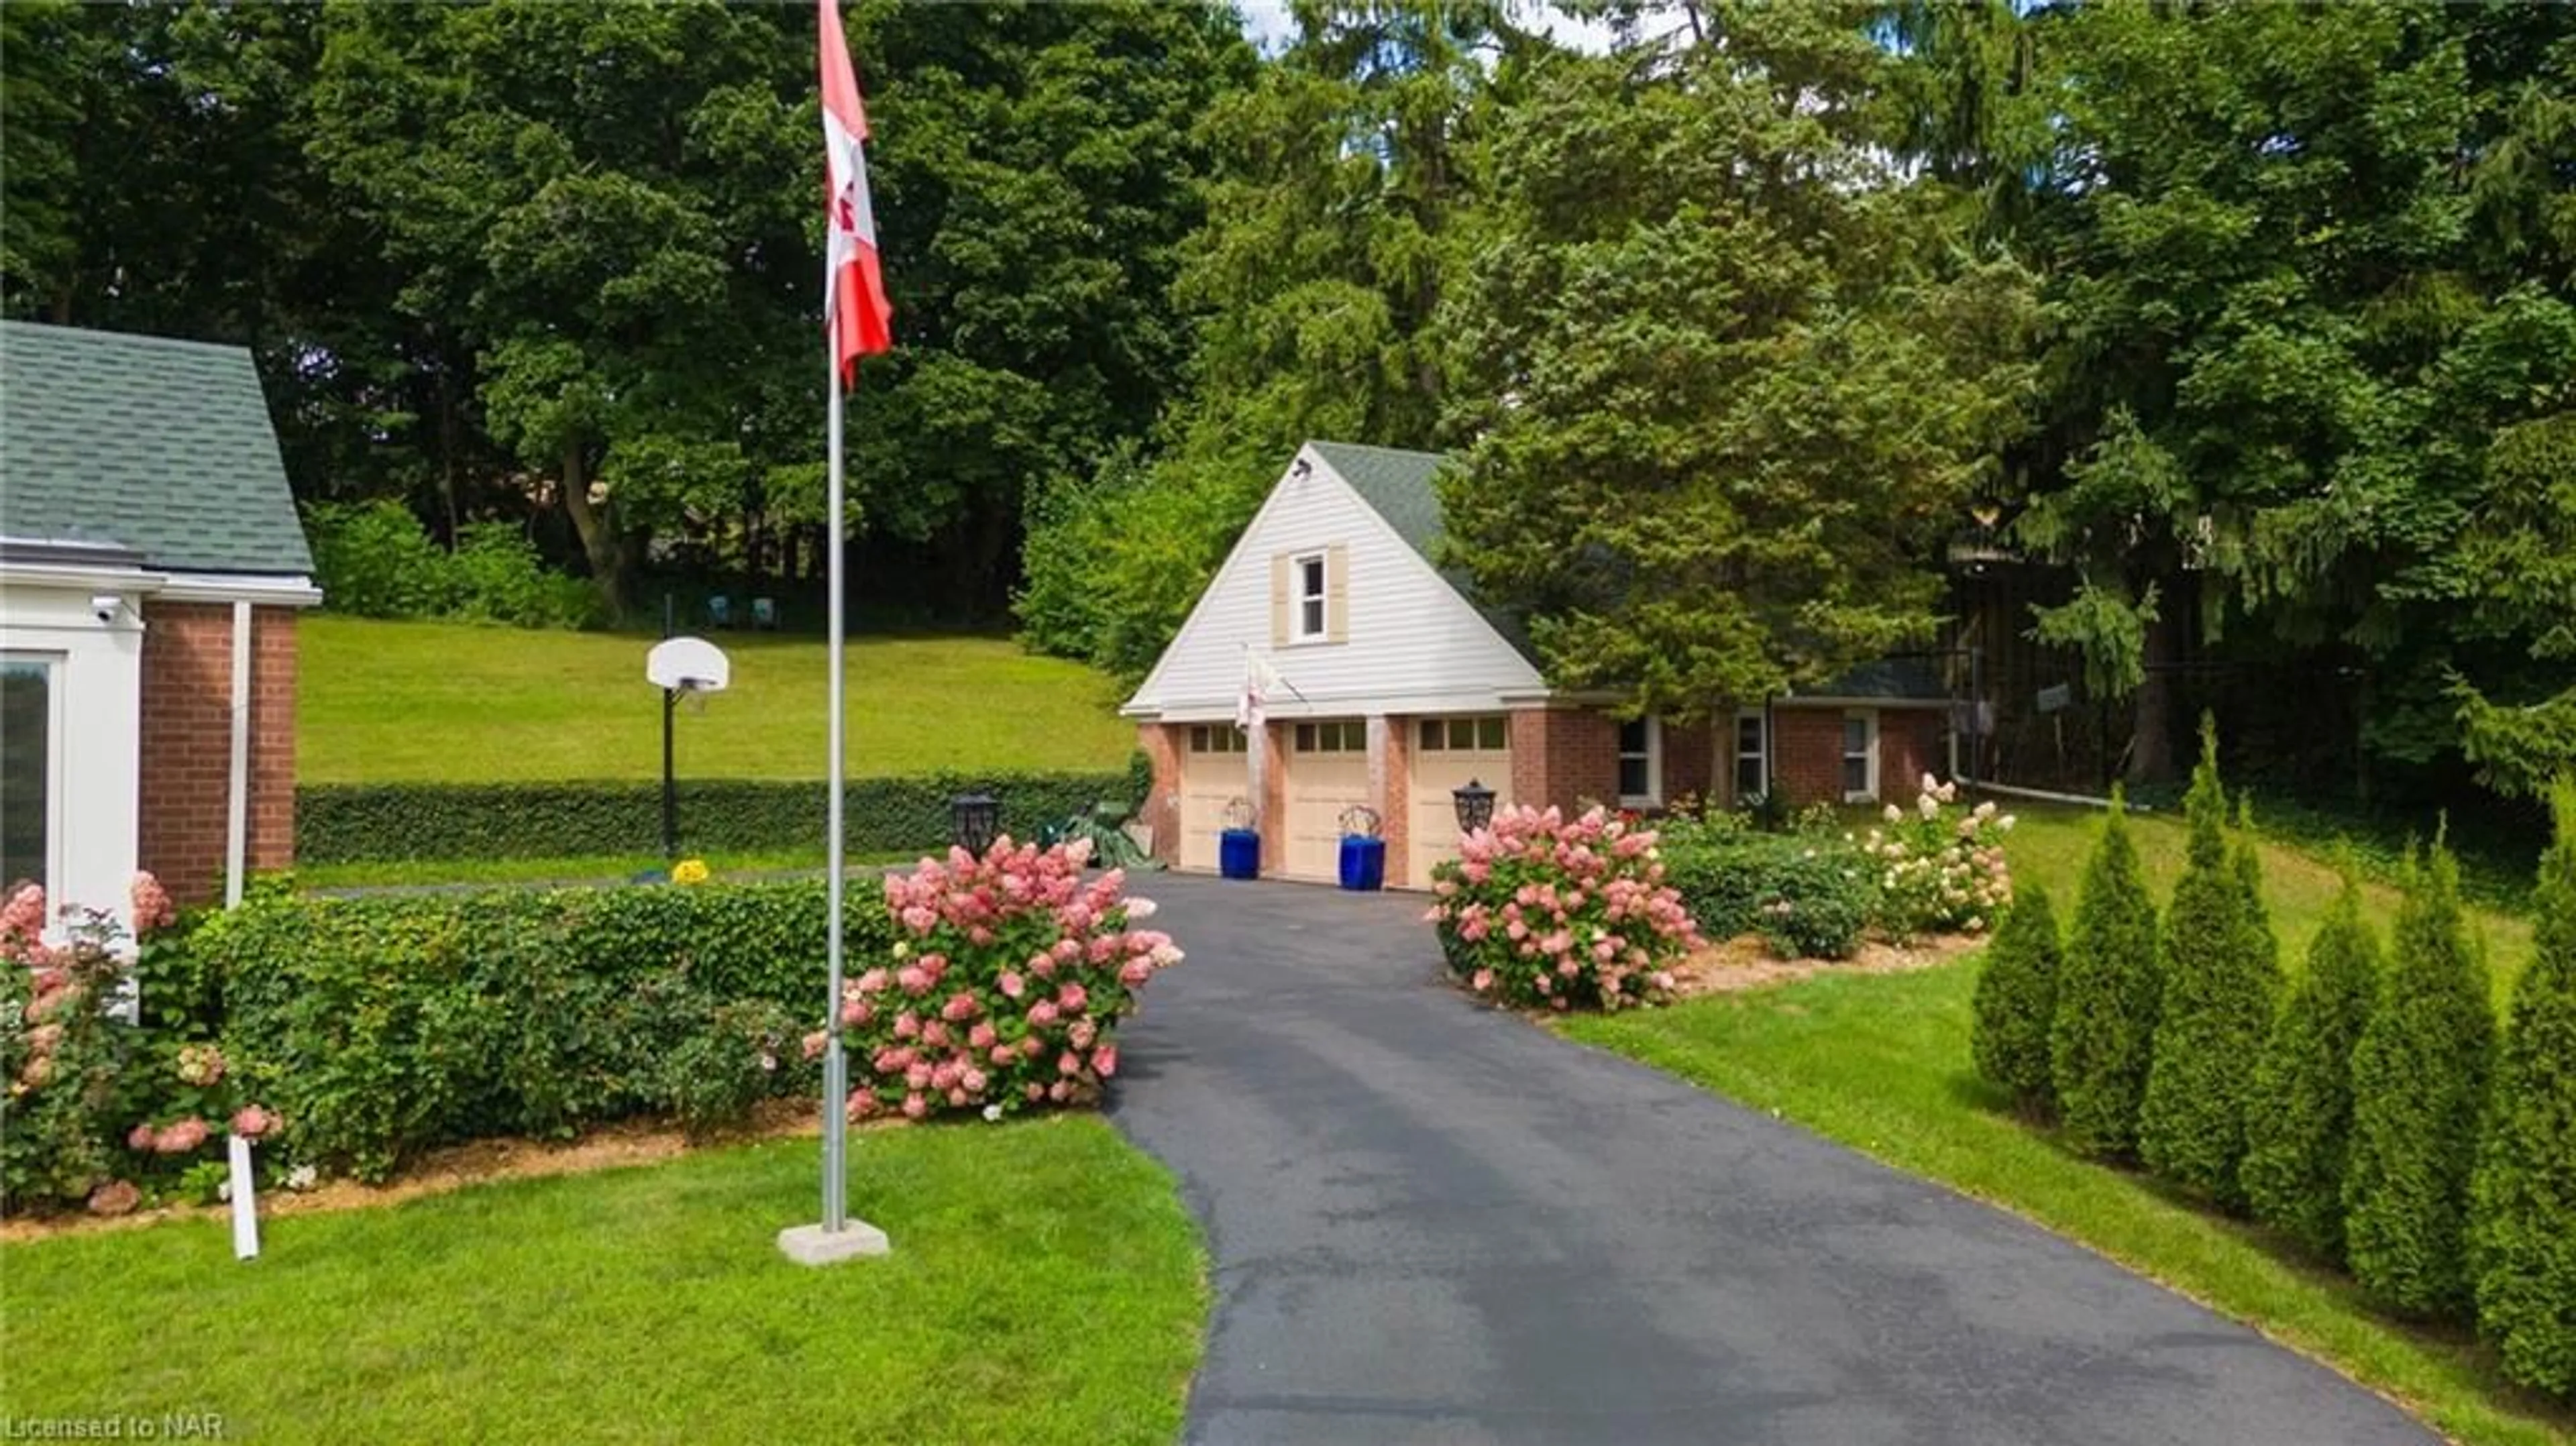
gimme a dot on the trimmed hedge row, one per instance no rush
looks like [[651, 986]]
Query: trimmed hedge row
[[1807, 895], [381, 1026], [338, 823]]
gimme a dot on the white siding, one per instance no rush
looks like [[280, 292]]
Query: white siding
[[1415, 645], [98, 742]]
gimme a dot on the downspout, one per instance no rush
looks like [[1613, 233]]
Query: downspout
[[237, 803]]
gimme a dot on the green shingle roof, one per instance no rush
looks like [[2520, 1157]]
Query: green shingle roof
[[1396, 484], [160, 446]]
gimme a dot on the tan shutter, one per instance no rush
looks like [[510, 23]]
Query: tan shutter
[[1279, 600], [1337, 594]]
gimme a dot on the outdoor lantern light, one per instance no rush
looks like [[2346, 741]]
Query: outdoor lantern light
[[1475, 806], [973, 819]]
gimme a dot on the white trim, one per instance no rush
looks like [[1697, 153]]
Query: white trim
[[287, 590], [1653, 797], [101, 577], [1322, 561], [1735, 755], [56, 665], [1843, 755]]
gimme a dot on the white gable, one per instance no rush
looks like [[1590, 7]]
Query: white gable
[[1413, 644]]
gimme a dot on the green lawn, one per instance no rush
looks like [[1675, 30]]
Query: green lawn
[[1046, 1285], [1880, 1062], [395, 701]]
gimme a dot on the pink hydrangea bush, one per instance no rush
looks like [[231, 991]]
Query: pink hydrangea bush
[[1939, 872], [98, 1107], [1005, 986], [1545, 912]]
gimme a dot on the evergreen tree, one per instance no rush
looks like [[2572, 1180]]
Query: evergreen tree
[[2220, 981], [2300, 1130], [2524, 1208], [2419, 1081], [2017, 996], [2103, 1032]]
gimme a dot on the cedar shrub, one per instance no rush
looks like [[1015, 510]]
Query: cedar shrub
[[2419, 1080], [2300, 1133], [2220, 980], [2103, 1031], [2016, 997], [2523, 1212]]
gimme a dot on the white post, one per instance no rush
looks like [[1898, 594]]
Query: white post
[[245, 1209]]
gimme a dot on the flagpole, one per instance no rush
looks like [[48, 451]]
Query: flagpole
[[836, 1074]]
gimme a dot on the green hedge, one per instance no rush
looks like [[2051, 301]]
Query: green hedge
[[337, 823], [382, 1026], [1810, 896]]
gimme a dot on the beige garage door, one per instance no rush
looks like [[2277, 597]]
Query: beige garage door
[[1327, 773], [1213, 775], [1447, 754]]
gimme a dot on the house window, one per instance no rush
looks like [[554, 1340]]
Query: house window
[[1345, 736], [1306, 577], [30, 789], [1860, 757], [1487, 734], [1641, 763], [1752, 754], [1215, 738]]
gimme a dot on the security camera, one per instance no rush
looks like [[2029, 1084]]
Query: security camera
[[107, 605]]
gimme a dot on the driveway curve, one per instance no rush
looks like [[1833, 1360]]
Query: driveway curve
[[1432, 1223]]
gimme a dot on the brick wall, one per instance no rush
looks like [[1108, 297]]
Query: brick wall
[[1909, 746], [1274, 798], [1562, 755], [1395, 795], [1162, 743], [187, 744], [1807, 752], [1686, 760]]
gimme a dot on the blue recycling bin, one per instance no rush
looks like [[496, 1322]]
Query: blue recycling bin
[[1238, 853], [1363, 862]]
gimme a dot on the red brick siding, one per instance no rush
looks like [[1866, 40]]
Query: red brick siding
[[1686, 761], [1807, 752], [1909, 746], [1395, 798], [1561, 756], [1162, 743], [1274, 798], [187, 744]]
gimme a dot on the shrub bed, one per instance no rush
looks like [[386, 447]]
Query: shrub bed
[[350, 1034], [1542, 911], [1807, 895], [339, 823]]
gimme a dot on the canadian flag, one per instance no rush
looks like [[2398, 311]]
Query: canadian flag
[[854, 299], [1261, 682]]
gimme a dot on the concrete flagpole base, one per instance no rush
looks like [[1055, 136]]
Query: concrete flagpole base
[[814, 1245]]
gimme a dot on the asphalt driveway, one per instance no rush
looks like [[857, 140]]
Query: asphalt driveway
[[1432, 1223]]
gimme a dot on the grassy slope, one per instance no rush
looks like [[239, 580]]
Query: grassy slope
[[384, 701], [1046, 1285], [2049, 845], [1881, 1063]]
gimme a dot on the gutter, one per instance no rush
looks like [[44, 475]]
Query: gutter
[[237, 801]]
